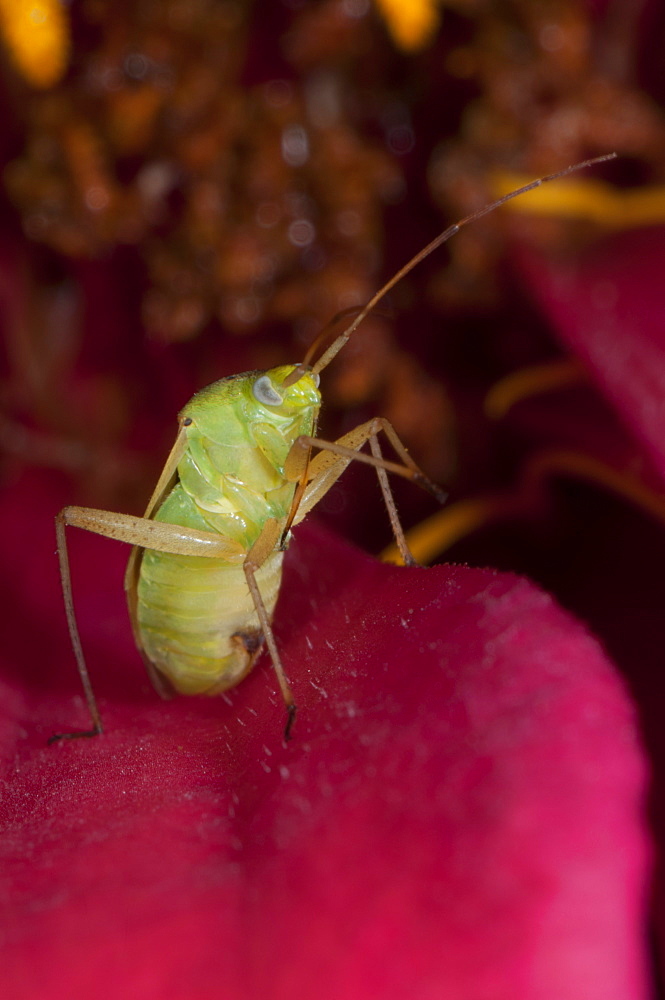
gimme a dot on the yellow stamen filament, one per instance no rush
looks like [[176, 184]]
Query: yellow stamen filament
[[578, 465], [411, 23], [433, 537], [532, 381], [36, 34], [588, 199]]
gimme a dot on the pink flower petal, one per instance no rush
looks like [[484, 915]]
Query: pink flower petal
[[608, 308], [459, 812]]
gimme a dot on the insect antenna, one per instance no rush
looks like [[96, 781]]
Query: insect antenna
[[339, 343], [306, 362]]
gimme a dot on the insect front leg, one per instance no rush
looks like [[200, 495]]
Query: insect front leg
[[322, 472], [138, 531], [264, 545]]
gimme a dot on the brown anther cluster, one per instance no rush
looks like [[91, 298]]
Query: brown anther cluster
[[558, 82], [246, 201]]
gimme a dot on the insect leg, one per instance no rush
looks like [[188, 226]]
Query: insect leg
[[345, 450], [321, 483], [334, 457], [136, 531], [65, 577], [264, 545], [391, 506]]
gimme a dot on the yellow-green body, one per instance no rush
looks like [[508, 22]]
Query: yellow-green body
[[195, 619]]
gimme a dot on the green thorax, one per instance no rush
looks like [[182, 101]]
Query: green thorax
[[231, 477]]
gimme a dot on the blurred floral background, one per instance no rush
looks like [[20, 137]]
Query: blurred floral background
[[192, 188]]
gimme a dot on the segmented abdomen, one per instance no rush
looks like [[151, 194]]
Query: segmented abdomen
[[196, 619]]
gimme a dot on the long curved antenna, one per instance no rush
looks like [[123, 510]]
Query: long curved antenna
[[338, 344], [325, 332]]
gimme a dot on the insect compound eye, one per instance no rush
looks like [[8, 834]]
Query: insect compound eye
[[316, 378], [265, 392]]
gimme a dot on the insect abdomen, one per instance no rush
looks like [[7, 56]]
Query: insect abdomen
[[196, 619]]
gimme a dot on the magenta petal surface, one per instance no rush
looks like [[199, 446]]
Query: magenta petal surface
[[458, 815], [609, 310]]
